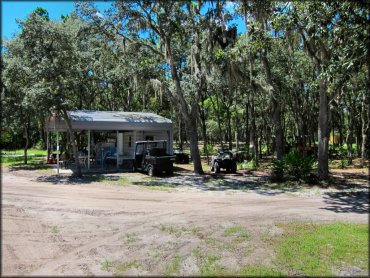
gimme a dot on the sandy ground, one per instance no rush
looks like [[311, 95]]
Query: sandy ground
[[58, 226]]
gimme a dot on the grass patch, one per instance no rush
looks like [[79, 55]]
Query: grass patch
[[309, 249], [54, 229], [258, 270], [19, 160], [170, 229], [120, 181], [177, 231], [123, 267], [21, 152], [174, 267], [10, 157], [221, 245], [196, 230], [106, 265], [130, 238], [153, 184], [239, 232], [208, 264]]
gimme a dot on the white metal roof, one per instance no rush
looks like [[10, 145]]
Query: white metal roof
[[111, 120]]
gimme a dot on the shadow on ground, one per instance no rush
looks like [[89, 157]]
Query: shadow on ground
[[347, 202], [68, 179], [221, 182]]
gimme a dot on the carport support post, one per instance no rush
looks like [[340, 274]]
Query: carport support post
[[57, 152], [117, 148], [88, 150]]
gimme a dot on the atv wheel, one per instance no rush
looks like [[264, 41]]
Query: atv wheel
[[233, 169], [217, 167], [150, 171]]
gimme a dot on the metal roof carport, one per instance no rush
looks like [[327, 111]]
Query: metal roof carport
[[110, 120]]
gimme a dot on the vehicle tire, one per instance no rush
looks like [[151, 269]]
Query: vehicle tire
[[217, 167], [233, 169], [151, 170]]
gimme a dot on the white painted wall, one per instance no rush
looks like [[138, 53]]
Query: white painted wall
[[127, 150]]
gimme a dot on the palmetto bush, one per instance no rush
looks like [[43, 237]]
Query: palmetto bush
[[294, 166]]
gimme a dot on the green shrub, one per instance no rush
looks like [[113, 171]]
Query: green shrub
[[294, 166], [278, 168], [344, 163], [298, 166], [210, 150]]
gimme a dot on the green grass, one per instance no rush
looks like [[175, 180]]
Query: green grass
[[240, 233], [249, 165], [259, 270], [174, 267], [21, 152], [20, 159], [208, 264], [120, 181], [153, 184], [123, 267], [308, 249], [130, 238], [178, 231], [106, 265], [17, 156], [220, 244], [54, 229], [170, 229]]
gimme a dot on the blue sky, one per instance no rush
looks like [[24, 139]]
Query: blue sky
[[11, 10]]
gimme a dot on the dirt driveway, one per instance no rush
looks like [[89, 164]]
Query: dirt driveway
[[127, 224]]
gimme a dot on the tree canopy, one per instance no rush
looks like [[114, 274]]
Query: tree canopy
[[298, 74]]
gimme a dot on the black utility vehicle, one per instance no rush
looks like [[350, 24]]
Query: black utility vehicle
[[224, 160], [151, 157]]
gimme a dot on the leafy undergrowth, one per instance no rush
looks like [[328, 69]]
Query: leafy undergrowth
[[316, 250]]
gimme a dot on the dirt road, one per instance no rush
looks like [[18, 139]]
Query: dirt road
[[101, 228]]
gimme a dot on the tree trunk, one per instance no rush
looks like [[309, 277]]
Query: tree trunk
[[247, 133], [365, 126], [204, 127], [349, 145], [180, 134], [229, 134], [365, 112], [193, 138], [279, 136], [73, 143], [190, 117], [27, 141], [323, 166], [254, 134]]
